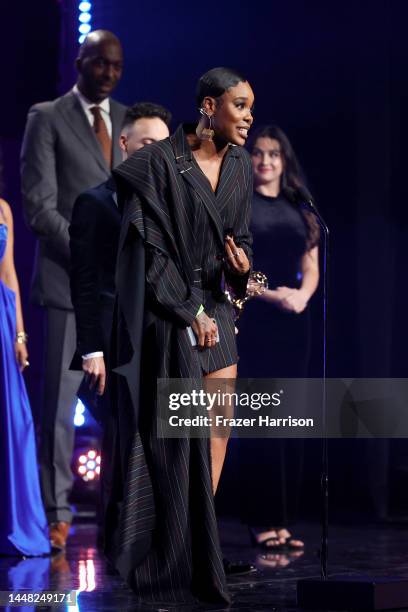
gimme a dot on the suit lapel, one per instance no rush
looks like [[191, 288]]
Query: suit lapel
[[192, 174], [228, 177], [72, 113]]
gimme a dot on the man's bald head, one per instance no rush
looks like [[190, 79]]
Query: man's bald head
[[99, 65], [94, 39]]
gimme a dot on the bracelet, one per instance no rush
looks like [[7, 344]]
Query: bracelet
[[21, 337]]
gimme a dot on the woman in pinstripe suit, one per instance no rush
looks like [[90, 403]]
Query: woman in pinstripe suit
[[184, 230]]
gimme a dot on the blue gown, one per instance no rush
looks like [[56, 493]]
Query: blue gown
[[23, 525]]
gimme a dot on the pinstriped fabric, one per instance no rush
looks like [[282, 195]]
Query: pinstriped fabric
[[138, 514], [168, 543]]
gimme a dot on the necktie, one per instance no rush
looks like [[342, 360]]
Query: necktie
[[101, 133]]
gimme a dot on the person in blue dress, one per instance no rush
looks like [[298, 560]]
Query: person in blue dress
[[23, 526]]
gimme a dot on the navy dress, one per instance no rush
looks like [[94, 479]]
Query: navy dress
[[273, 344], [23, 526]]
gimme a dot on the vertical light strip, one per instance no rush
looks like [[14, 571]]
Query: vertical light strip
[[84, 18]]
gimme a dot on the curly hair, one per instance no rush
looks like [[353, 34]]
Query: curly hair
[[292, 175]]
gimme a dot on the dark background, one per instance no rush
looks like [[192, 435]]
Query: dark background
[[334, 77]]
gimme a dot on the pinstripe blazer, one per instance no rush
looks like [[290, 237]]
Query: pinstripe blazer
[[164, 540]]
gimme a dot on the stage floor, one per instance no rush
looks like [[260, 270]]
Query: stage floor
[[358, 550]]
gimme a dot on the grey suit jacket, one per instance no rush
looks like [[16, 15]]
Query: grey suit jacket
[[60, 159]]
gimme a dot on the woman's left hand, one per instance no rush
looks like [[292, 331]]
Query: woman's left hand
[[293, 300], [21, 355], [237, 259]]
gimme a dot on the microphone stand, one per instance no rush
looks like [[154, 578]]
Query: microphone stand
[[307, 202], [351, 591], [304, 199]]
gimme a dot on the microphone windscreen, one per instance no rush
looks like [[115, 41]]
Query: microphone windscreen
[[305, 194]]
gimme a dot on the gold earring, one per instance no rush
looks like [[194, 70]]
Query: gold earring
[[207, 133]]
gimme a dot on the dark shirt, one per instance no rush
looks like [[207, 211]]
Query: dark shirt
[[94, 238], [280, 236]]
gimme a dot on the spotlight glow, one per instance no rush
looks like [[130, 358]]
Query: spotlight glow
[[79, 417], [84, 28], [88, 465], [79, 420], [85, 7], [84, 17]]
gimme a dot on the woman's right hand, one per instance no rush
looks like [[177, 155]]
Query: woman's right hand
[[205, 329], [21, 355]]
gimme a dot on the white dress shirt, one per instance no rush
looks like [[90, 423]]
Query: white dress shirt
[[87, 105]]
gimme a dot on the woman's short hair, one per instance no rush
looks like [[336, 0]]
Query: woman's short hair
[[216, 82]]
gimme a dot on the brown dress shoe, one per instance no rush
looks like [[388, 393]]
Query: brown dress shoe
[[58, 534]]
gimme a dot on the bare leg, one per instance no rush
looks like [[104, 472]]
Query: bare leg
[[219, 444]]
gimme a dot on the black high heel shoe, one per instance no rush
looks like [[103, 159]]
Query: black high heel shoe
[[263, 544], [274, 543]]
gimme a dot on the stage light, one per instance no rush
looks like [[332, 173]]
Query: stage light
[[84, 17], [84, 28], [88, 465], [85, 7], [79, 418]]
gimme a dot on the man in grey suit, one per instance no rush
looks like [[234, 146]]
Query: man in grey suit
[[70, 144]]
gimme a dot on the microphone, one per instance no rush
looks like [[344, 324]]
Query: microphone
[[305, 197], [300, 195]]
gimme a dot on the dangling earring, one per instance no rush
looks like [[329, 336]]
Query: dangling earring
[[207, 133]]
